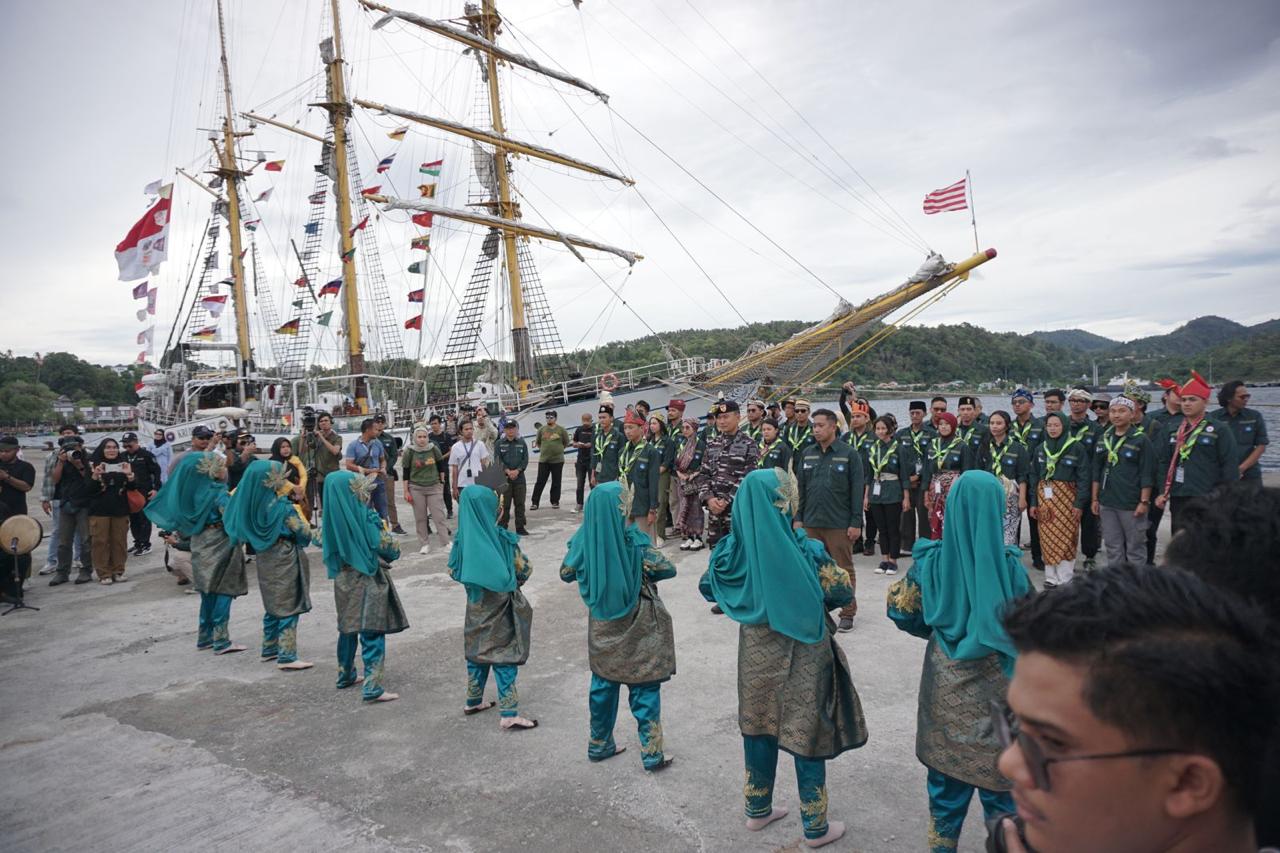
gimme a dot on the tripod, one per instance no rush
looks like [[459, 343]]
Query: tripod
[[17, 602]]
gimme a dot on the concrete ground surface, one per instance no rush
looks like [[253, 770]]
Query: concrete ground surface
[[116, 734]]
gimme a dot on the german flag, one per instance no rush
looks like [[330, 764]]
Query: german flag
[[208, 333], [289, 328]]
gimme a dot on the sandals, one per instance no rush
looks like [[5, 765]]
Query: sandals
[[517, 726], [476, 709]]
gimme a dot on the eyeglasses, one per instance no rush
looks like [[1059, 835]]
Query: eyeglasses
[[1244, 396], [802, 411], [1008, 730]]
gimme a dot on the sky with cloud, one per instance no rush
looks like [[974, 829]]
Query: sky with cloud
[[1125, 158]]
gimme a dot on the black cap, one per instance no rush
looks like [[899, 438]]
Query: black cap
[[129, 436], [202, 431], [510, 424], [917, 405], [8, 441], [967, 401], [724, 407], [606, 409], [379, 418], [551, 413]]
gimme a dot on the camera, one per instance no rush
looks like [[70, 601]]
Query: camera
[[995, 832], [309, 418], [67, 442], [245, 440]]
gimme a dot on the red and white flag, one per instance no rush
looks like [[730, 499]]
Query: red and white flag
[[948, 198], [140, 253], [214, 304]]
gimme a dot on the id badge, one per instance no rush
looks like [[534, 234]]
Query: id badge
[[1103, 487], [875, 489], [1048, 493], [937, 487], [1180, 476], [919, 468]]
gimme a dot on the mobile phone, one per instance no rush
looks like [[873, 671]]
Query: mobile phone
[[113, 467]]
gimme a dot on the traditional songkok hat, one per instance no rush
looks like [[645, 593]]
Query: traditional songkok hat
[[967, 401], [605, 409], [676, 404], [918, 405]]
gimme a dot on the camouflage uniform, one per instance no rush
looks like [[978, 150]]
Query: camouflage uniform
[[729, 458]]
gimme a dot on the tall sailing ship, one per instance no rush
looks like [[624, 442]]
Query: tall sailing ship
[[261, 364]]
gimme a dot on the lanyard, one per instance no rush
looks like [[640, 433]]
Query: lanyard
[[997, 456], [627, 457], [1113, 450], [798, 439], [754, 432], [1020, 432], [879, 462], [940, 453], [765, 450], [1051, 458], [859, 442], [1189, 443], [602, 441]]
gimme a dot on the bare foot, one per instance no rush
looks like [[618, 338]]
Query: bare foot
[[755, 824], [229, 649], [835, 831], [386, 697], [268, 658], [518, 723], [297, 664], [476, 709]]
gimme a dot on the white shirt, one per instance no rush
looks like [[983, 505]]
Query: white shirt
[[468, 458]]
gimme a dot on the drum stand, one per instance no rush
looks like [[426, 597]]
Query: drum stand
[[19, 603]]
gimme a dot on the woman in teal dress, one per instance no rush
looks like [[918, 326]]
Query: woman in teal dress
[[357, 553], [953, 596], [487, 560], [794, 689], [190, 504], [259, 516], [629, 634]]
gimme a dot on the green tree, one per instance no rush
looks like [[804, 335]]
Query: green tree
[[23, 403]]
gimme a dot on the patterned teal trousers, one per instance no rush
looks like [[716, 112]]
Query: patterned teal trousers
[[811, 777], [280, 638], [949, 803], [373, 649], [646, 707], [215, 613], [504, 675]]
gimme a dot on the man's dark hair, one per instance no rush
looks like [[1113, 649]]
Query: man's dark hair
[[1171, 661], [942, 400], [825, 413], [1056, 392], [324, 416], [1228, 391], [64, 427], [366, 425]]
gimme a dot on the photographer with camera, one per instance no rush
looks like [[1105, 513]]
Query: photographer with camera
[[319, 448], [111, 479], [71, 480], [239, 458], [146, 474], [49, 503]]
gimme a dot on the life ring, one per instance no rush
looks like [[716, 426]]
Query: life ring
[[222, 425], [609, 382]]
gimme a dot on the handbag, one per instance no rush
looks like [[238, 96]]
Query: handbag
[[137, 500]]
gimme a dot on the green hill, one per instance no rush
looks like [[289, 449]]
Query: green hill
[[1193, 337], [1076, 339]]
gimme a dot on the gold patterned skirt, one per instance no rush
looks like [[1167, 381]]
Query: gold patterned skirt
[[1059, 529], [954, 734], [217, 565], [799, 693], [639, 648], [498, 628]]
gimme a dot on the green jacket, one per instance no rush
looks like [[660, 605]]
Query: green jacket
[[951, 457], [776, 455], [605, 448], [1029, 434], [1123, 467], [1012, 460], [1249, 430], [974, 434], [1208, 459], [915, 445], [887, 470], [1089, 432], [512, 453], [831, 486], [638, 466], [1073, 466], [551, 442]]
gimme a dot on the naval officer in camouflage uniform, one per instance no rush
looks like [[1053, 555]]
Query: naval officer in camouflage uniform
[[639, 465], [731, 455], [606, 444]]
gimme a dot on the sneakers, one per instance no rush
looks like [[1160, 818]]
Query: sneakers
[[146, 547], [532, 507], [136, 550], [555, 506], [85, 576], [399, 531], [59, 579], [697, 544], [577, 508], [880, 569], [846, 624], [686, 545], [424, 550], [48, 570], [890, 569]]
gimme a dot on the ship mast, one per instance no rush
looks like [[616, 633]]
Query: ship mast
[[489, 24], [339, 111], [231, 174]]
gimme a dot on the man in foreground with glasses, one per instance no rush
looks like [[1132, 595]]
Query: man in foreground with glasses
[[1247, 425], [1137, 718]]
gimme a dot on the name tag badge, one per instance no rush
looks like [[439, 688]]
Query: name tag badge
[[937, 487], [1048, 493], [1180, 475], [919, 468], [840, 468], [875, 489]]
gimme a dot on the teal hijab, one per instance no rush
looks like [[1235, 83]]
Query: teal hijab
[[188, 501], [351, 531], [607, 555], [255, 513], [764, 571], [968, 577], [484, 554]]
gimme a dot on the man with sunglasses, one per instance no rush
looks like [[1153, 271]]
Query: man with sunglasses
[[755, 420], [1101, 407], [798, 433], [937, 406], [1139, 707], [1247, 425]]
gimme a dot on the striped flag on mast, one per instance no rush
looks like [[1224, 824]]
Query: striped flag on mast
[[953, 197]]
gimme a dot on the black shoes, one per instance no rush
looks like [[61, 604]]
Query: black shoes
[[520, 531]]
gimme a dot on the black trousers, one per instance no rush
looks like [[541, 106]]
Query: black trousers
[[448, 492], [1037, 559], [583, 471], [554, 470], [888, 520], [515, 495], [140, 526], [1154, 515], [915, 521], [869, 530], [1090, 535], [1176, 507]]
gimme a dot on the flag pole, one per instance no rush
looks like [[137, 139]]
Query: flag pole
[[973, 212]]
